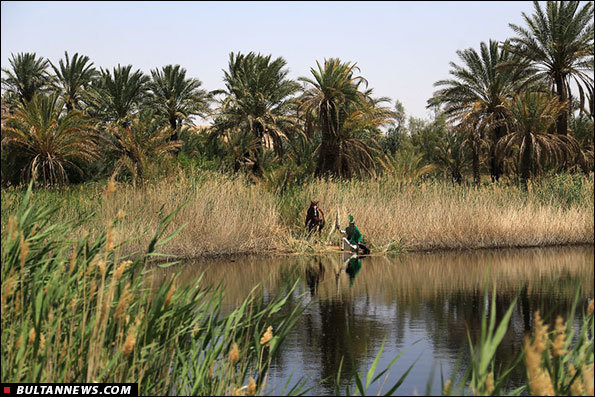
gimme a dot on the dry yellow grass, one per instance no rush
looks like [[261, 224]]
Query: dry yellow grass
[[225, 215]]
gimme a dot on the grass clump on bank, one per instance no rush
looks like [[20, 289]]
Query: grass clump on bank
[[77, 310], [233, 215]]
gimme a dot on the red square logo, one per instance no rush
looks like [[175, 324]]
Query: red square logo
[[6, 389]]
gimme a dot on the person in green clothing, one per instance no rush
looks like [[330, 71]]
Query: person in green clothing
[[353, 241]]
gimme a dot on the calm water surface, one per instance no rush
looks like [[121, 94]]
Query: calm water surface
[[424, 303]]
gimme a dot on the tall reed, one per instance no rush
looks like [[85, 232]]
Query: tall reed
[[78, 310]]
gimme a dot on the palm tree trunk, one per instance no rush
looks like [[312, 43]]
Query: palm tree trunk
[[526, 161], [495, 165], [562, 121], [173, 122], [475, 165]]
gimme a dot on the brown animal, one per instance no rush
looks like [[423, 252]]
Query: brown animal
[[314, 217]]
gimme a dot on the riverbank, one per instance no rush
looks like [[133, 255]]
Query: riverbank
[[225, 216]]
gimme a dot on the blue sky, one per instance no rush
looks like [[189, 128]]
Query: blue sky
[[402, 48]]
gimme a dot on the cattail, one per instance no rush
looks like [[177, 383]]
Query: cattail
[[211, 368], [267, 336], [588, 379], [560, 338], [130, 342], [123, 303], [41, 341], [8, 288], [72, 261], [446, 388], [170, 293], [120, 270], [109, 239], [234, 353], [111, 187], [251, 387], [490, 383], [32, 335], [101, 266], [24, 249], [11, 227], [590, 308], [540, 382]]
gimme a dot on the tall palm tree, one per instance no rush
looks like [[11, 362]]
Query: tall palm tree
[[346, 117], [258, 98], [530, 118], [139, 144], [50, 142], [73, 76], [27, 77], [176, 97], [558, 41], [115, 96], [478, 90]]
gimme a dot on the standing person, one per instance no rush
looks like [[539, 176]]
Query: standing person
[[353, 241]]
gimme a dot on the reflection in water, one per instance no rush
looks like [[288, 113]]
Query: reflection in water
[[433, 299]]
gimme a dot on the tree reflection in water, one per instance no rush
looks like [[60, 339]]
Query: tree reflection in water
[[434, 297]]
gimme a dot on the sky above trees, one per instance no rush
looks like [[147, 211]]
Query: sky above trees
[[401, 48]]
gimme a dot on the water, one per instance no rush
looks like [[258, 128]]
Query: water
[[424, 303]]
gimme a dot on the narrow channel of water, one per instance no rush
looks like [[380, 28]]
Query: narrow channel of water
[[425, 303]]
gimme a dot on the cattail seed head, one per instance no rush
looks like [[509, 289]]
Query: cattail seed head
[[120, 270], [268, 335], [24, 249], [590, 308], [32, 335], [111, 187], [130, 342], [109, 239], [123, 303], [234, 353], [446, 388], [11, 227], [490, 383], [560, 338], [251, 387], [170, 293], [101, 266]]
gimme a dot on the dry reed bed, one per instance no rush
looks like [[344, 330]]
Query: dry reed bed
[[427, 217], [224, 215]]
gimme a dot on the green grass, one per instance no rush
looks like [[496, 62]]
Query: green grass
[[75, 310]]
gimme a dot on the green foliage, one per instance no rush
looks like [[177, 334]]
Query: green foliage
[[73, 77], [48, 143], [74, 311], [29, 76], [558, 43], [177, 98]]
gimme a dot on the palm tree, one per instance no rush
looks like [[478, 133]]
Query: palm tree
[[28, 77], [116, 96], [141, 143], [559, 43], [346, 117], [50, 142], [73, 77], [478, 91], [176, 97], [451, 154], [258, 99], [530, 118]]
